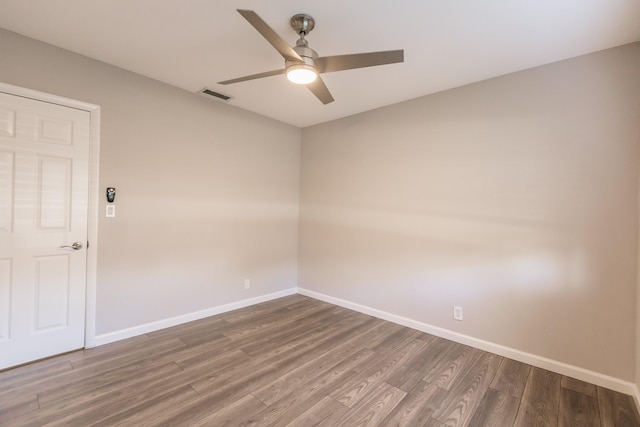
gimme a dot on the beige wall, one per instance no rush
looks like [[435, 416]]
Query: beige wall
[[207, 194], [515, 198]]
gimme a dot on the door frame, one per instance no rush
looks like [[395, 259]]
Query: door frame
[[93, 202]]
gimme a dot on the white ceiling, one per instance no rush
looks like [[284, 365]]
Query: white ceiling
[[196, 43]]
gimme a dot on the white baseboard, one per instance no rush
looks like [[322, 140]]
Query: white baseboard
[[184, 318], [511, 353]]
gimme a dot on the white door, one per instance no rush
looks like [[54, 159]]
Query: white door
[[44, 163]]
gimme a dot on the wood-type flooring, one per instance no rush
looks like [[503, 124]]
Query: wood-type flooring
[[296, 361]]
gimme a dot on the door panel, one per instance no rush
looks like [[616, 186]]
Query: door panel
[[44, 162], [51, 292], [6, 191], [7, 122], [55, 131], [53, 193]]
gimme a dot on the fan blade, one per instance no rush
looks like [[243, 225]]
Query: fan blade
[[319, 89], [328, 64], [272, 37], [252, 77]]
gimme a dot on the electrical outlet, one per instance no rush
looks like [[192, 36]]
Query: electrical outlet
[[457, 313], [247, 283]]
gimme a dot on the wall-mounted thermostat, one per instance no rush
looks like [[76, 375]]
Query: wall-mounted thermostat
[[111, 194]]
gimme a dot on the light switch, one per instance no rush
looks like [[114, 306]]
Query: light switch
[[111, 211]]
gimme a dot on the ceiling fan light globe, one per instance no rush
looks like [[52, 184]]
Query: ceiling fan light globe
[[301, 74]]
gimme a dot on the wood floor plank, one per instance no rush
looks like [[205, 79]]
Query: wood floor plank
[[384, 331], [540, 404], [374, 408], [201, 353], [301, 362], [357, 388], [511, 377], [284, 411], [395, 340], [305, 396], [233, 382], [208, 325], [496, 409], [416, 408], [90, 378], [225, 344], [233, 414], [467, 390], [90, 405], [435, 423], [407, 376], [151, 352], [307, 372], [616, 409], [17, 389], [140, 392], [275, 321], [288, 332], [446, 370], [201, 335], [578, 409], [314, 322], [268, 364], [11, 408], [111, 353], [579, 386], [12, 378], [326, 412], [150, 412], [198, 409], [128, 391], [256, 310], [65, 381]]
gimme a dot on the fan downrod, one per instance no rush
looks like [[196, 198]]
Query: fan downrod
[[302, 24]]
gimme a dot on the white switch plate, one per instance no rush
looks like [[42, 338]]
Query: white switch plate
[[247, 283], [457, 313], [111, 211]]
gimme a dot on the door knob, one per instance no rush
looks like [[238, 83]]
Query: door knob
[[76, 246]]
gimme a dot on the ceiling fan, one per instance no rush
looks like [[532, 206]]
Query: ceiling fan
[[302, 64]]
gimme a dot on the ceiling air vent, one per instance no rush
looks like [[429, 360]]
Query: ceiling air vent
[[210, 93]]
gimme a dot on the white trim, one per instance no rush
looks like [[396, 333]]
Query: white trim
[[636, 395], [92, 212], [511, 353], [92, 230], [189, 317]]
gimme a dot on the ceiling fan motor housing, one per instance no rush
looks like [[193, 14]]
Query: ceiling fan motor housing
[[306, 53]]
